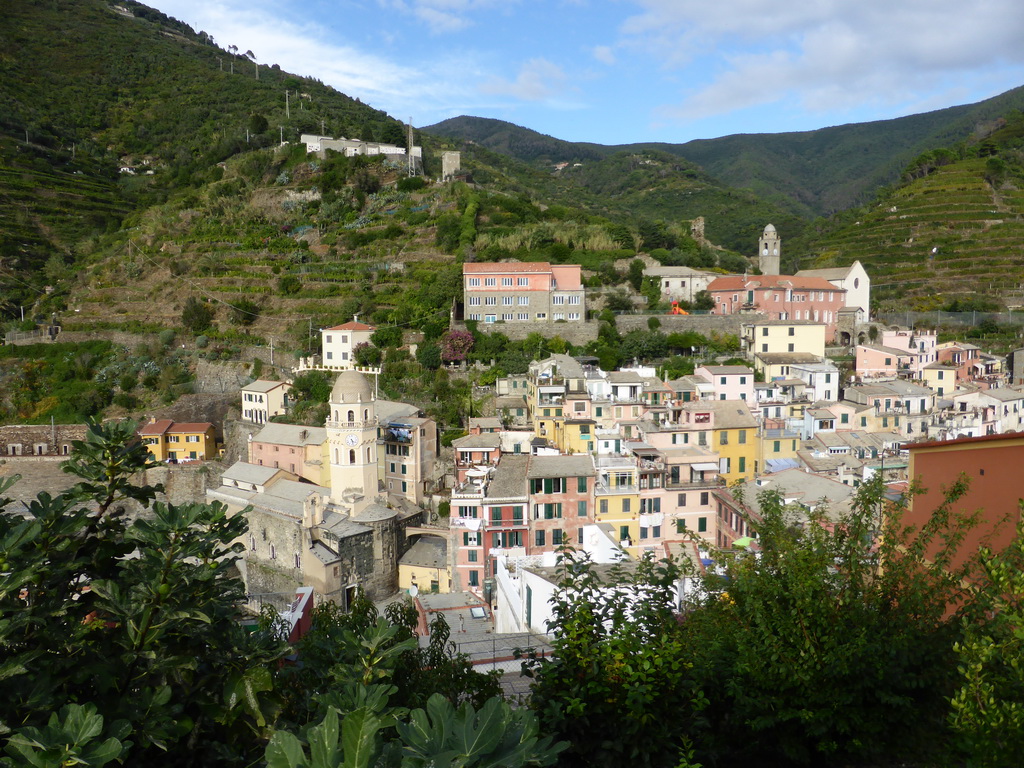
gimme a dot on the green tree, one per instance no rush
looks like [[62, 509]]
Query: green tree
[[833, 645], [617, 666], [196, 315], [154, 641], [244, 312], [987, 710], [387, 337]]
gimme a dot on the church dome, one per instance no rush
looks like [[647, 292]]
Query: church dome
[[351, 387], [769, 228]]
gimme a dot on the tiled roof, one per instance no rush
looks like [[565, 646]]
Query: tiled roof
[[770, 282], [352, 325], [512, 266]]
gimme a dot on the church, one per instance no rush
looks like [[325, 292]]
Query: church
[[336, 538]]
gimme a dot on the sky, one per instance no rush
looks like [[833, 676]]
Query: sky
[[623, 71]]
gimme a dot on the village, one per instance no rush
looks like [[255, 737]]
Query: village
[[618, 464]]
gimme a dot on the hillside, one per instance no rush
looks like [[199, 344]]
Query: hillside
[[951, 230], [812, 173], [93, 88]]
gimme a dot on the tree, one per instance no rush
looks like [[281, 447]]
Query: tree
[[429, 355], [366, 354], [152, 645], [244, 312], [617, 667], [196, 316], [456, 345], [387, 336], [987, 710], [636, 274], [835, 644]]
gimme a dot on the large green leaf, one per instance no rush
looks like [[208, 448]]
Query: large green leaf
[[359, 732], [285, 751]]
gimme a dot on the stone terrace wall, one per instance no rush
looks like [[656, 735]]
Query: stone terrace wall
[[702, 324]]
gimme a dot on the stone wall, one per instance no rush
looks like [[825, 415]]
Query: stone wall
[[702, 324], [39, 440], [577, 333], [186, 483]]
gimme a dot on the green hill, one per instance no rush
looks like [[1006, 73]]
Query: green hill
[[88, 88], [812, 173]]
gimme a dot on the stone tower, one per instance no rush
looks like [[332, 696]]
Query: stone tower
[[352, 442], [769, 251]]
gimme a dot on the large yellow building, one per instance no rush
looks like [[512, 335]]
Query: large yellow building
[[173, 442], [784, 336]]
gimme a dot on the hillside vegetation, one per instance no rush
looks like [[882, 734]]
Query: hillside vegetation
[[950, 230], [812, 173]]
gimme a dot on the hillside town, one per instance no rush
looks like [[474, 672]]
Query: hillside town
[[617, 463]]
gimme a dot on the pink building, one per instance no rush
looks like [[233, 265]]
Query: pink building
[[878, 362], [523, 292], [731, 382], [561, 492], [780, 297]]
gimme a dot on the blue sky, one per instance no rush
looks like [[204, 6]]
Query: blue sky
[[621, 71]]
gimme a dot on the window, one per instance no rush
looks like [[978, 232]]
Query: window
[[556, 538], [473, 282], [524, 315], [625, 505], [656, 531], [474, 578], [523, 282], [844, 418], [557, 299], [472, 555], [643, 532], [517, 515], [623, 532], [506, 282], [490, 281], [792, 331], [491, 301], [574, 300], [495, 514], [191, 438], [703, 498], [743, 463], [792, 347], [702, 524], [524, 301], [723, 438], [603, 506], [777, 446], [508, 316], [539, 538], [581, 509], [764, 331], [681, 501], [743, 436], [581, 485], [508, 301], [574, 315]]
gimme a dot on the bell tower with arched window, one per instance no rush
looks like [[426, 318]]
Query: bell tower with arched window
[[769, 251], [352, 441]]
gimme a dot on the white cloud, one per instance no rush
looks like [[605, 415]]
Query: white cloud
[[441, 16], [538, 80], [824, 54], [604, 54]]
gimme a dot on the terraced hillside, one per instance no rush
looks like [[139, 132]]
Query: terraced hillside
[[956, 233]]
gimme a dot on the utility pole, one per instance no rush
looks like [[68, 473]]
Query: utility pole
[[271, 350], [287, 111], [322, 129], [281, 130], [232, 66]]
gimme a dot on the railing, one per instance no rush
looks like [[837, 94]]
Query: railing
[[605, 490], [683, 485], [351, 424]]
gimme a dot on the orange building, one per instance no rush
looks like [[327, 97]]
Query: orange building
[[175, 441], [992, 465]]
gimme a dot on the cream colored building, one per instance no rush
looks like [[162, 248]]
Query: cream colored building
[[339, 342], [784, 336], [262, 400]]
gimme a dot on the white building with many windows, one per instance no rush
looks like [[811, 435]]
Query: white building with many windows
[[339, 342]]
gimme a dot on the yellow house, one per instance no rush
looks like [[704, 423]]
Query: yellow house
[[734, 436], [174, 442], [425, 567], [617, 499], [940, 378], [784, 336]]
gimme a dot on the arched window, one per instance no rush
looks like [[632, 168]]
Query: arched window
[[336, 416], [337, 460], [273, 552], [366, 414], [351, 457], [351, 415], [368, 454]]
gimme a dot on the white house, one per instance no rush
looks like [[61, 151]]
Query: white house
[[340, 341], [263, 399], [852, 279]]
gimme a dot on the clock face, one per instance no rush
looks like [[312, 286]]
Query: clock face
[[351, 439]]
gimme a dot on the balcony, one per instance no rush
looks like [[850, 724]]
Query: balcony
[[351, 424], [603, 489]]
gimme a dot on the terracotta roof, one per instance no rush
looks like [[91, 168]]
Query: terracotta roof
[[190, 427], [771, 282], [352, 325], [515, 266], [156, 427]]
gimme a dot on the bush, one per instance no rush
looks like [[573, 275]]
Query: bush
[[167, 337], [411, 184], [196, 316], [202, 341]]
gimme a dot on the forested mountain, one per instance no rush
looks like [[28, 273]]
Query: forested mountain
[[89, 86], [813, 173]]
